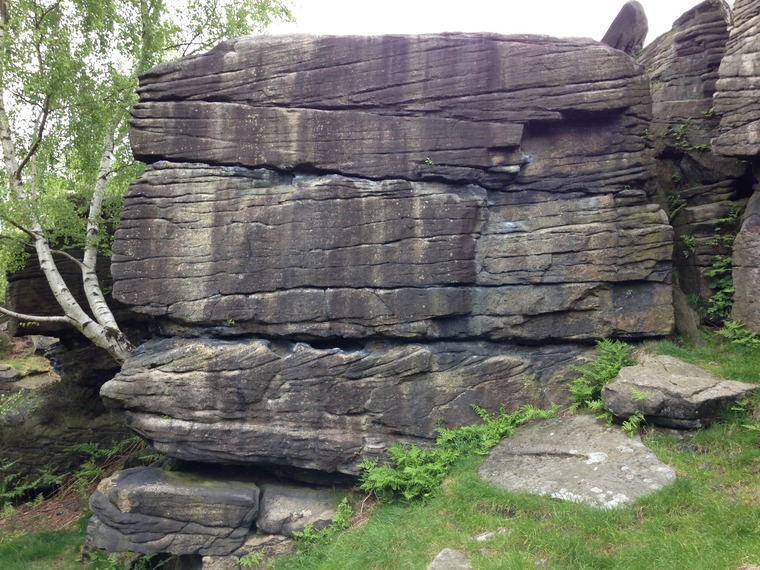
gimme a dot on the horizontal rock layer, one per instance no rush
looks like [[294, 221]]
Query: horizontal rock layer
[[149, 510], [252, 401], [739, 85], [333, 256], [451, 106]]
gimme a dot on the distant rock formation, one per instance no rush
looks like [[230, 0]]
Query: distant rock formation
[[629, 29], [736, 101], [702, 190]]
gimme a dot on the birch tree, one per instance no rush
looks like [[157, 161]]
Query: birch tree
[[68, 73]]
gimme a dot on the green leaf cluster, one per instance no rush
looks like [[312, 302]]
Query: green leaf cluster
[[738, 333], [586, 389], [416, 474], [68, 77]]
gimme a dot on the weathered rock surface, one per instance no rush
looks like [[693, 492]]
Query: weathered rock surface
[[450, 106], [253, 401], [286, 508], [534, 226], [629, 29], [333, 256], [148, 510], [348, 241], [577, 459], [671, 393], [746, 266], [736, 100], [702, 190], [739, 86], [450, 559]]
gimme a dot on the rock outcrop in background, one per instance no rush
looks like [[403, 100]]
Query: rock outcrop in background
[[348, 241], [705, 193], [39, 433], [736, 101]]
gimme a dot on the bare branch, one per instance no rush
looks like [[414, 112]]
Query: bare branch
[[36, 318], [44, 112], [18, 226], [68, 256]]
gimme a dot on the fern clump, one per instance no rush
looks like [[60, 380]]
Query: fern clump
[[416, 474], [586, 390]]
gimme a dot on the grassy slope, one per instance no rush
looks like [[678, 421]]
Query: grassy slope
[[709, 519]]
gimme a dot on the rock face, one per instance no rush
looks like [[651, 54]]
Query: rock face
[[348, 241], [739, 86], [736, 101], [252, 401], [150, 510], [576, 459], [487, 222], [704, 192], [746, 266], [629, 29], [671, 393]]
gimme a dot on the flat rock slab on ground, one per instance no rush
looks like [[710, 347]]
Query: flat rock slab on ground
[[577, 459], [449, 559], [672, 393]]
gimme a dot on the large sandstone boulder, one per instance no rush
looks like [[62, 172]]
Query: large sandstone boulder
[[348, 241], [446, 186], [149, 510], [629, 29]]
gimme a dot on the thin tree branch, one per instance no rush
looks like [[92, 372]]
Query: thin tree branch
[[68, 256], [44, 112], [18, 226], [36, 318]]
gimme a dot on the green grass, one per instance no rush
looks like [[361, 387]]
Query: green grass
[[687, 525], [42, 550], [723, 358], [708, 519]]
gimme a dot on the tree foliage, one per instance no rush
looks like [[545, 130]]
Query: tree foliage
[[68, 70]]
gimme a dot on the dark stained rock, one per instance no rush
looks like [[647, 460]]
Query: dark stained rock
[[28, 292], [737, 102], [448, 106], [629, 29], [149, 510], [333, 256], [252, 401], [59, 413], [576, 459], [738, 88], [671, 393], [701, 189], [746, 265]]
